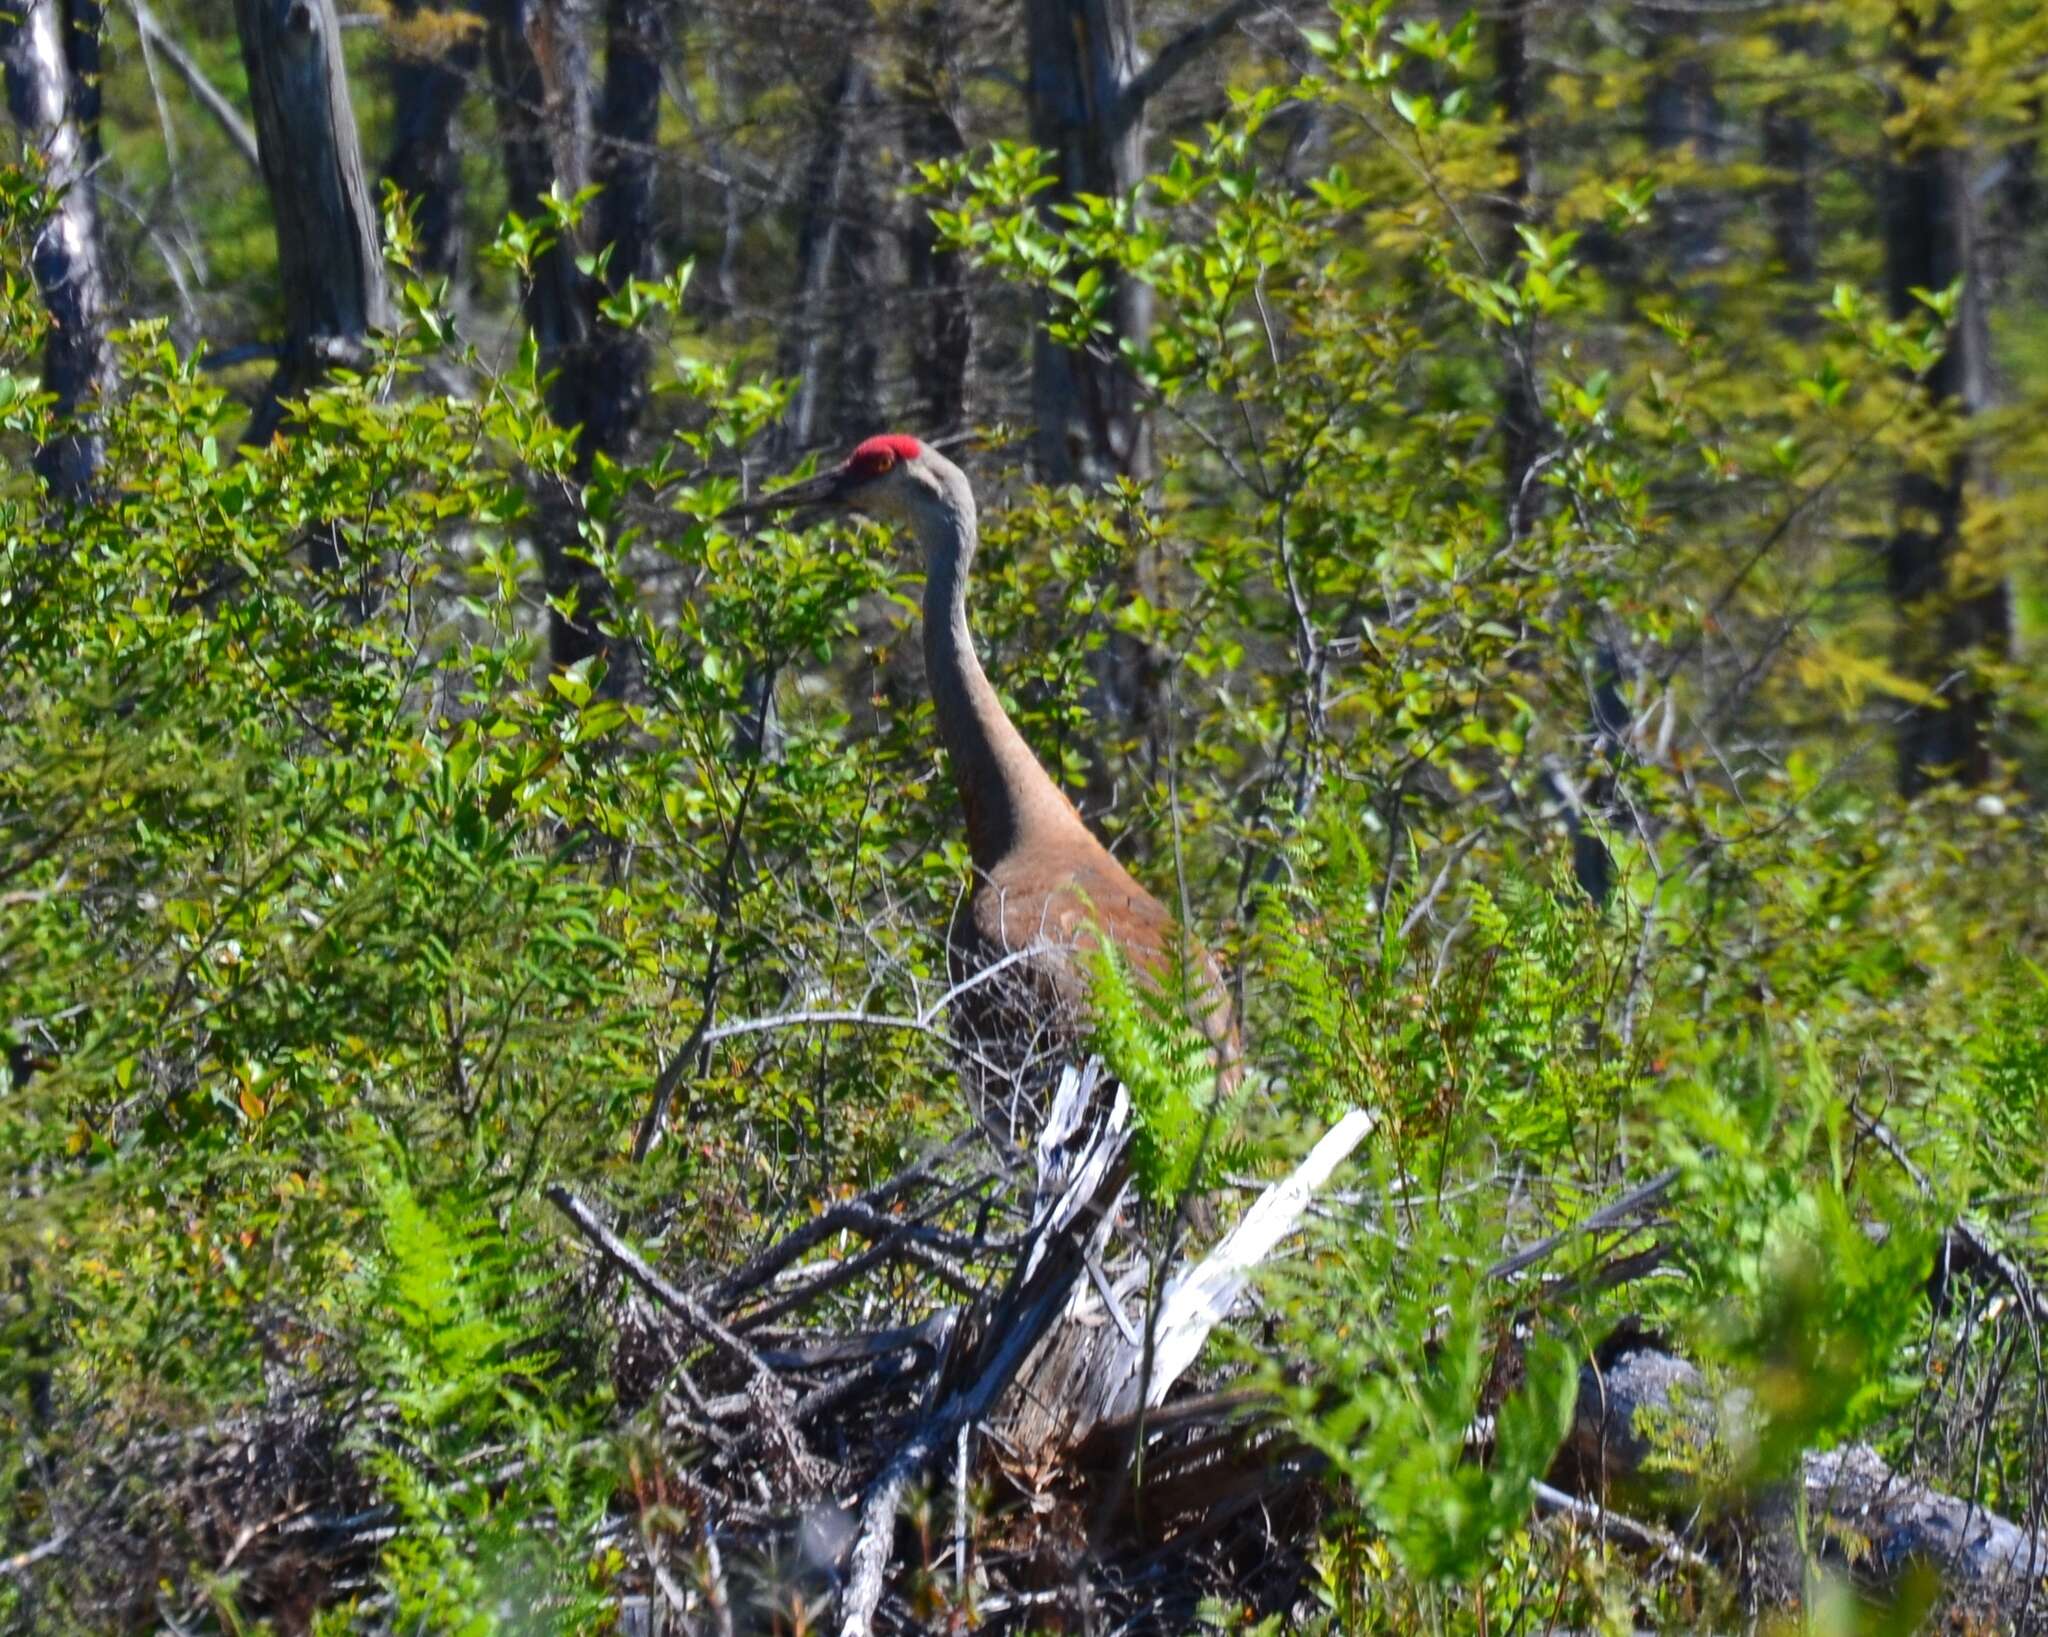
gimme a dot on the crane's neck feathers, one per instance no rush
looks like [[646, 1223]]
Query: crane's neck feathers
[[1008, 797]]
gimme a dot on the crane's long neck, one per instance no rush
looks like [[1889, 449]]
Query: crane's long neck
[[1006, 793]]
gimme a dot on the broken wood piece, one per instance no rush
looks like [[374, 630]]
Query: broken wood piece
[[1197, 1301], [1092, 1372]]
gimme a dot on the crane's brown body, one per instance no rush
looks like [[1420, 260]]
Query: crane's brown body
[[1046, 893], [1051, 900]]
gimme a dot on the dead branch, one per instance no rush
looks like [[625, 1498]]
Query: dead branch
[[628, 1262]]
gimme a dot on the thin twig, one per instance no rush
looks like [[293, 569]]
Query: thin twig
[[1627, 1530], [1972, 1237]]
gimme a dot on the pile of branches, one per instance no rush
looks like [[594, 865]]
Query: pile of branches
[[946, 1428], [967, 1399], [880, 1462]]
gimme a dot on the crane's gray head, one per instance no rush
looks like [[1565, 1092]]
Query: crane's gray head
[[893, 477]]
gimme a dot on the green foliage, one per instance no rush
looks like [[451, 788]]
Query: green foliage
[[1396, 1386], [1185, 1131], [1811, 1291], [494, 1475]]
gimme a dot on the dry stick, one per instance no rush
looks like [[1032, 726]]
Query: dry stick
[[1624, 1529], [853, 1267], [819, 1229], [714, 1580], [35, 1554], [1973, 1237], [237, 130], [622, 1256], [705, 1035], [1629, 1203]]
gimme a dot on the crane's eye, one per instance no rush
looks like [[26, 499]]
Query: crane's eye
[[870, 463]]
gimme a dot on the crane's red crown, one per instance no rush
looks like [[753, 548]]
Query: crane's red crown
[[877, 455]]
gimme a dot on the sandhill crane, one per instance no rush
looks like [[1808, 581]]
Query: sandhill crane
[[1045, 890]]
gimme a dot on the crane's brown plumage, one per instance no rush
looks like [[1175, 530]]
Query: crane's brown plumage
[[1046, 891]]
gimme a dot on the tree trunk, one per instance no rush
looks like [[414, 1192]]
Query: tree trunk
[[825, 244], [328, 260], [1521, 425], [84, 26], [942, 328], [52, 100], [615, 394], [1683, 111], [438, 52], [1929, 239], [1087, 95], [628, 122], [1788, 150], [1087, 113], [540, 70]]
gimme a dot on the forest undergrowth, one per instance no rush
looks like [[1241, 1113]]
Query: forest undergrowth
[[346, 946]]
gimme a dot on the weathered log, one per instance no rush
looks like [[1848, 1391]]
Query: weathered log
[[1643, 1404]]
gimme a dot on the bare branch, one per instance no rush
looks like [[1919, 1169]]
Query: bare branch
[[241, 136], [628, 1261], [1182, 50]]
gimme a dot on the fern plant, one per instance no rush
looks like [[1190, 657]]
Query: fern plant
[[1399, 1338], [496, 1484], [1184, 1131]]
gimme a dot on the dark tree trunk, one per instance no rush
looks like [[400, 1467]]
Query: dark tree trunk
[[825, 245], [1088, 96], [1088, 424], [84, 25], [1788, 149], [628, 122], [540, 73], [615, 395], [1521, 418], [1930, 244], [77, 365], [597, 376], [942, 328], [1522, 429], [1086, 112], [328, 260], [1683, 111], [430, 78]]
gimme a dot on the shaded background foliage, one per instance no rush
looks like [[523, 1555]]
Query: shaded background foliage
[[1526, 523]]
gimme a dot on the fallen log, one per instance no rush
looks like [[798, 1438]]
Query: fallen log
[[1647, 1422]]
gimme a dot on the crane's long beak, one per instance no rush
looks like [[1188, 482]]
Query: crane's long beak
[[826, 489]]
